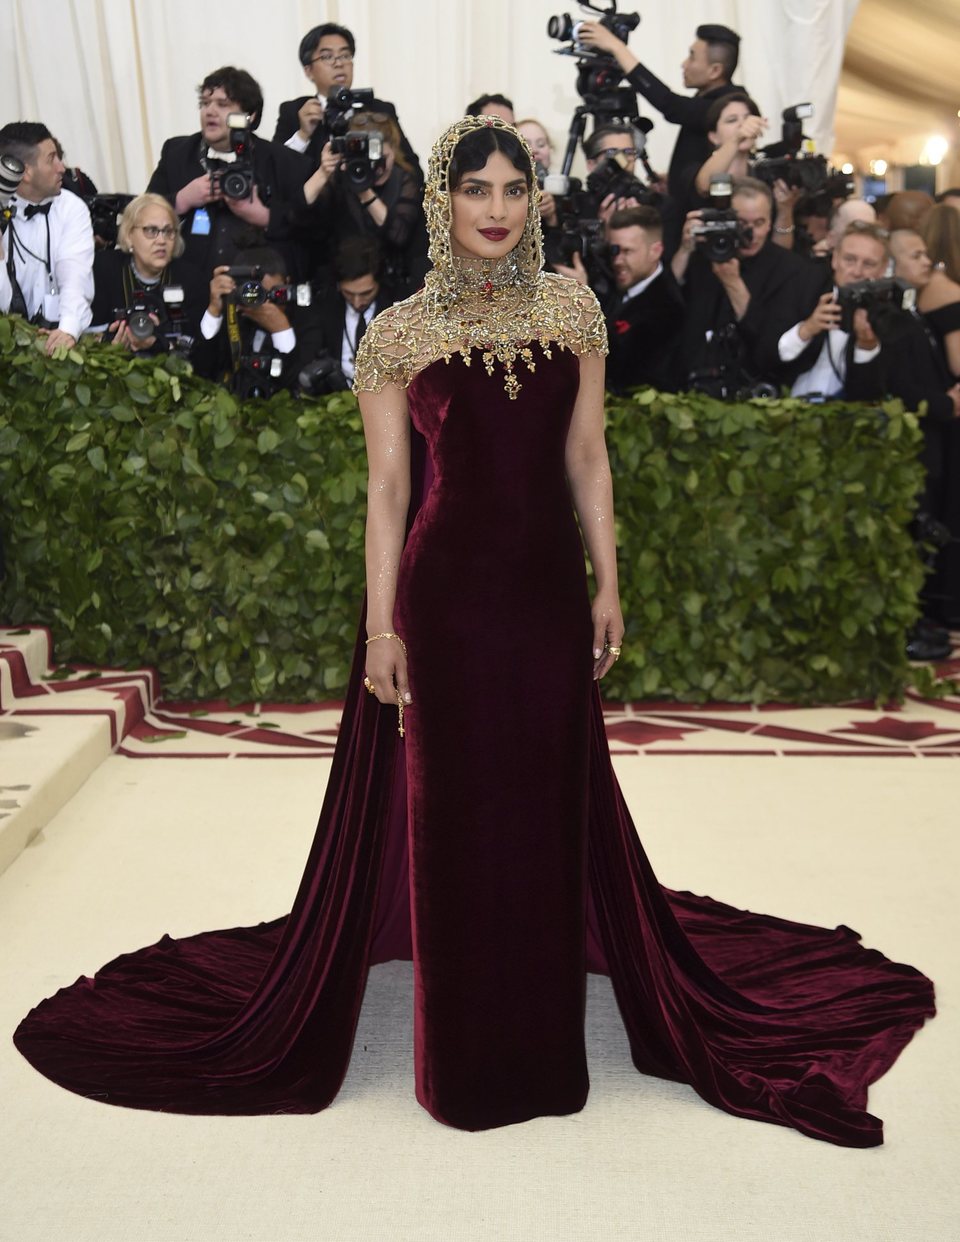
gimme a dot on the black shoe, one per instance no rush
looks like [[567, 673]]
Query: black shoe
[[928, 645], [931, 630]]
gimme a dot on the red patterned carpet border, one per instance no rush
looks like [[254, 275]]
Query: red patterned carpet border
[[143, 727]]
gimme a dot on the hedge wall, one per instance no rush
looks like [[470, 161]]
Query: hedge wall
[[148, 517]]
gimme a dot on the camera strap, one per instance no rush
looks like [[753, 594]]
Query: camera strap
[[18, 303], [233, 336]]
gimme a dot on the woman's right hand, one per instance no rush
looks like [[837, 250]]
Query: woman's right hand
[[386, 668]]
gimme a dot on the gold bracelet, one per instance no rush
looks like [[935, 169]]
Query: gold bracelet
[[388, 634]]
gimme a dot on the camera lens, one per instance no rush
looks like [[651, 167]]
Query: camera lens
[[251, 293], [141, 325]]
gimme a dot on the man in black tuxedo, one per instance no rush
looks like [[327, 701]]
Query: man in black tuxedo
[[345, 309], [644, 326], [326, 53], [254, 349], [214, 225]]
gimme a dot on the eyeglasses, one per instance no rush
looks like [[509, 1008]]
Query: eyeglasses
[[153, 231], [333, 58], [612, 152]]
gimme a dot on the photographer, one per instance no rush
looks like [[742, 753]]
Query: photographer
[[224, 183], [46, 248], [145, 282], [344, 312], [538, 140], [253, 336], [365, 192], [708, 69], [326, 53], [735, 124], [737, 306], [644, 327]]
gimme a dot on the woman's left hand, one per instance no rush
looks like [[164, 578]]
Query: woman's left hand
[[607, 632]]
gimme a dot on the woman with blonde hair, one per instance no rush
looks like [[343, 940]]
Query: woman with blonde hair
[[146, 270]]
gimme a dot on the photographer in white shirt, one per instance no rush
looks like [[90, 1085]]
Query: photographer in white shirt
[[46, 251]]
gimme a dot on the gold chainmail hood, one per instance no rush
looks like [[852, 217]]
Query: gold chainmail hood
[[499, 307], [525, 262]]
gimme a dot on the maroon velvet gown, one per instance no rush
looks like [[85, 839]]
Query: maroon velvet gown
[[493, 847]]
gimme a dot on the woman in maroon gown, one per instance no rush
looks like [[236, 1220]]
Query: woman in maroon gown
[[490, 843]]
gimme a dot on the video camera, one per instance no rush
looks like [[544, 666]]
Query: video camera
[[105, 212], [235, 180], [251, 291], [881, 299], [718, 231], [11, 174], [793, 161], [322, 375], [598, 77]]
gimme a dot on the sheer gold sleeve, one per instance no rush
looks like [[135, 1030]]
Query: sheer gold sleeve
[[388, 350], [583, 328]]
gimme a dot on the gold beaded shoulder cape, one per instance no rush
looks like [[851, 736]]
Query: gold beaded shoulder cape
[[491, 846]]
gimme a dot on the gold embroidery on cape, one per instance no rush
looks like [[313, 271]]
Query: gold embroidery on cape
[[498, 307]]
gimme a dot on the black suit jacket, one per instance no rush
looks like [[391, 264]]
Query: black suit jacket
[[779, 283], [288, 123], [279, 175], [213, 359], [644, 337], [110, 291], [331, 312]]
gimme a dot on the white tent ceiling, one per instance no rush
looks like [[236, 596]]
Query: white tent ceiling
[[901, 83]]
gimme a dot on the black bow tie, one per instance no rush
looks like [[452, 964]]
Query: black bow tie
[[36, 209]]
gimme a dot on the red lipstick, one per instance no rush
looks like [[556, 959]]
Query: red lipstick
[[495, 234]]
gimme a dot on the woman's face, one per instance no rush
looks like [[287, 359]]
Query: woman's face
[[489, 210], [151, 254], [538, 142], [729, 121]]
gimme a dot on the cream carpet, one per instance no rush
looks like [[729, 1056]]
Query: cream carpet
[[147, 848]]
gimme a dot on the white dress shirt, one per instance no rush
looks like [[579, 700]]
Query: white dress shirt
[[284, 341], [63, 293], [828, 374], [351, 321]]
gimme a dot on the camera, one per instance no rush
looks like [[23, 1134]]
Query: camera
[[725, 375], [11, 174], [105, 212], [361, 153], [251, 291], [321, 376], [881, 299], [718, 231], [793, 161], [257, 376], [341, 106], [598, 74], [235, 180], [152, 312]]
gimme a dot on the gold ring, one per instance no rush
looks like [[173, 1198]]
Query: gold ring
[[370, 687], [614, 651]]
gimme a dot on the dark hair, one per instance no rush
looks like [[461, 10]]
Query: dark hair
[[239, 85], [723, 47], [819, 204], [311, 40], [356, 257], [594, 144], [474, 149], [478, 105], [942, 197], [270, 261], [642, 217], [714, 112], [21, 139]]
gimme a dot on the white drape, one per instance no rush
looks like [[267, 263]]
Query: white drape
[[114, 78]]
